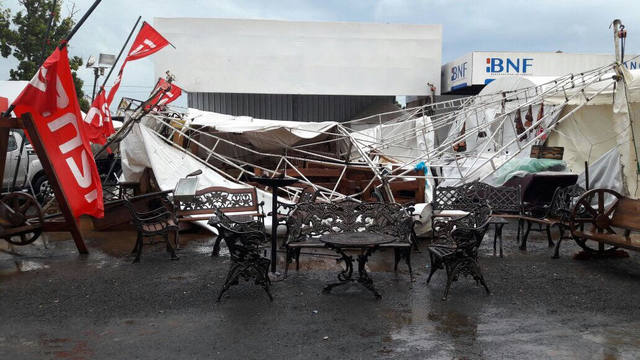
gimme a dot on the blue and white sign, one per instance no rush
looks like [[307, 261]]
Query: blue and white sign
[[457, 74], [480, 68]]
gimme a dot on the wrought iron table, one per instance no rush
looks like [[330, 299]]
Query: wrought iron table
[[367, 242], [274, 183]]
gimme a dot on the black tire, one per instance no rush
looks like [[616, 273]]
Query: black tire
[[41, 188]]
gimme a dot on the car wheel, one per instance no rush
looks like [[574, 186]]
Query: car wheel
[[42, 189]]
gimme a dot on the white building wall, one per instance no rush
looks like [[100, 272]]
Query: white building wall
[[284, 57]]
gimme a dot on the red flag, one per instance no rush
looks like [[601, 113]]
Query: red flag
[[98, 125], [165, 93], [147, 42], [50, 97]]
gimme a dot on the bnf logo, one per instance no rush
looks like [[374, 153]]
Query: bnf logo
[[458, 71], [518, 65]]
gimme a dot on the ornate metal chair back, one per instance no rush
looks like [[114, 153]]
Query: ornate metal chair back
[[563, 200], [243, 240]]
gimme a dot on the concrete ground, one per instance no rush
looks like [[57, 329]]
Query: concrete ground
[[55, 304]]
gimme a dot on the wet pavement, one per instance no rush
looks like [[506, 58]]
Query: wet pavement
[[55, 304]]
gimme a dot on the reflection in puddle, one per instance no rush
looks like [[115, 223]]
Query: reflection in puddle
[[447, 333], [23, 266]]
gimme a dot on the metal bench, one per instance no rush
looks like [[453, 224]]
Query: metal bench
[[594, 219], [505, 203], [239, 204], [308, 221]]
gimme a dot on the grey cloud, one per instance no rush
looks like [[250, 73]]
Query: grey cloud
[[468, 25]]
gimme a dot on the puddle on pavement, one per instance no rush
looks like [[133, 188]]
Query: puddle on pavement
[[21, 266], [325, 260], [445, 333]]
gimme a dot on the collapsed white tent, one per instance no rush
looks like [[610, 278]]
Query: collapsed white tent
[[142, 149], [607, 122], [226, 139], [586, 114]]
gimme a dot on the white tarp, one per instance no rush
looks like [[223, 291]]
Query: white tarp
[[262, 134], [142, 148], [604, 124], [398, 140], [605, 172]]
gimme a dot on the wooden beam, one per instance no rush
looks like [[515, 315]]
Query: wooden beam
[[11, 123], [4, 145], [38, 147]]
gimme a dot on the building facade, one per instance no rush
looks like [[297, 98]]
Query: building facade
[[304, 71]]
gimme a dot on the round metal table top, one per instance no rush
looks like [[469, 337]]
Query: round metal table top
[[356, 239]]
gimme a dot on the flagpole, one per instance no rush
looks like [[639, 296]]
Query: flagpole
[[79, 23], [121, 51], [64, 43], [46, 36]]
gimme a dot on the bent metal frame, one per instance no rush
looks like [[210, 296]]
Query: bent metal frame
[[50, 225]]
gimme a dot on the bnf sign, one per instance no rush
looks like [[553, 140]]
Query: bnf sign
[[498, 65]]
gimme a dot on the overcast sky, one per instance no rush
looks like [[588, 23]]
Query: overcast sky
[[579, 26]]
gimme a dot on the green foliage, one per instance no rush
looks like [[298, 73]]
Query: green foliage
[[24, 34]]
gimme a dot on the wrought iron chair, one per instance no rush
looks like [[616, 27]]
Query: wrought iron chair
[[244, 241], [381, 196], [458, 253], [159, 221], [308, 194], [556, 213]]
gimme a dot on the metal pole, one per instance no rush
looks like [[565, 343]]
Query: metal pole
[[15, 173], [46, 36], [121, 51], [79, 23], [95, 80], [586, 175], [64, 43]]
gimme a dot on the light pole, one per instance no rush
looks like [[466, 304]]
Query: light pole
[[104, 61]]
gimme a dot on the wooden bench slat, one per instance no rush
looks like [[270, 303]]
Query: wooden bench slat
[[630, 243], [627, 214]]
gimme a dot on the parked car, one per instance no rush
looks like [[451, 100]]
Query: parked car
[[29, 168]]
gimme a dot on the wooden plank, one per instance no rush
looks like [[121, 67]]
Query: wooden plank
[[632, 243], [4, 145], [627, 214], [547, 152], [11, 123]]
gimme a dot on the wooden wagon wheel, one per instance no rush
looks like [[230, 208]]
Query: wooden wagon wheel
[[599, 219], [21, 218]]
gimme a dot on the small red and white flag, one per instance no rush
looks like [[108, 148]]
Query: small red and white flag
[[163, 94], [98, 123], [147, 42]]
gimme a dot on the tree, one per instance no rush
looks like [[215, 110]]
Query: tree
[[24, 36]]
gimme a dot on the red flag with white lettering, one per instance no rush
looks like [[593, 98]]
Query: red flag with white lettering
[[51, 99], [98, 125], [165, 93], [147, 42]]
